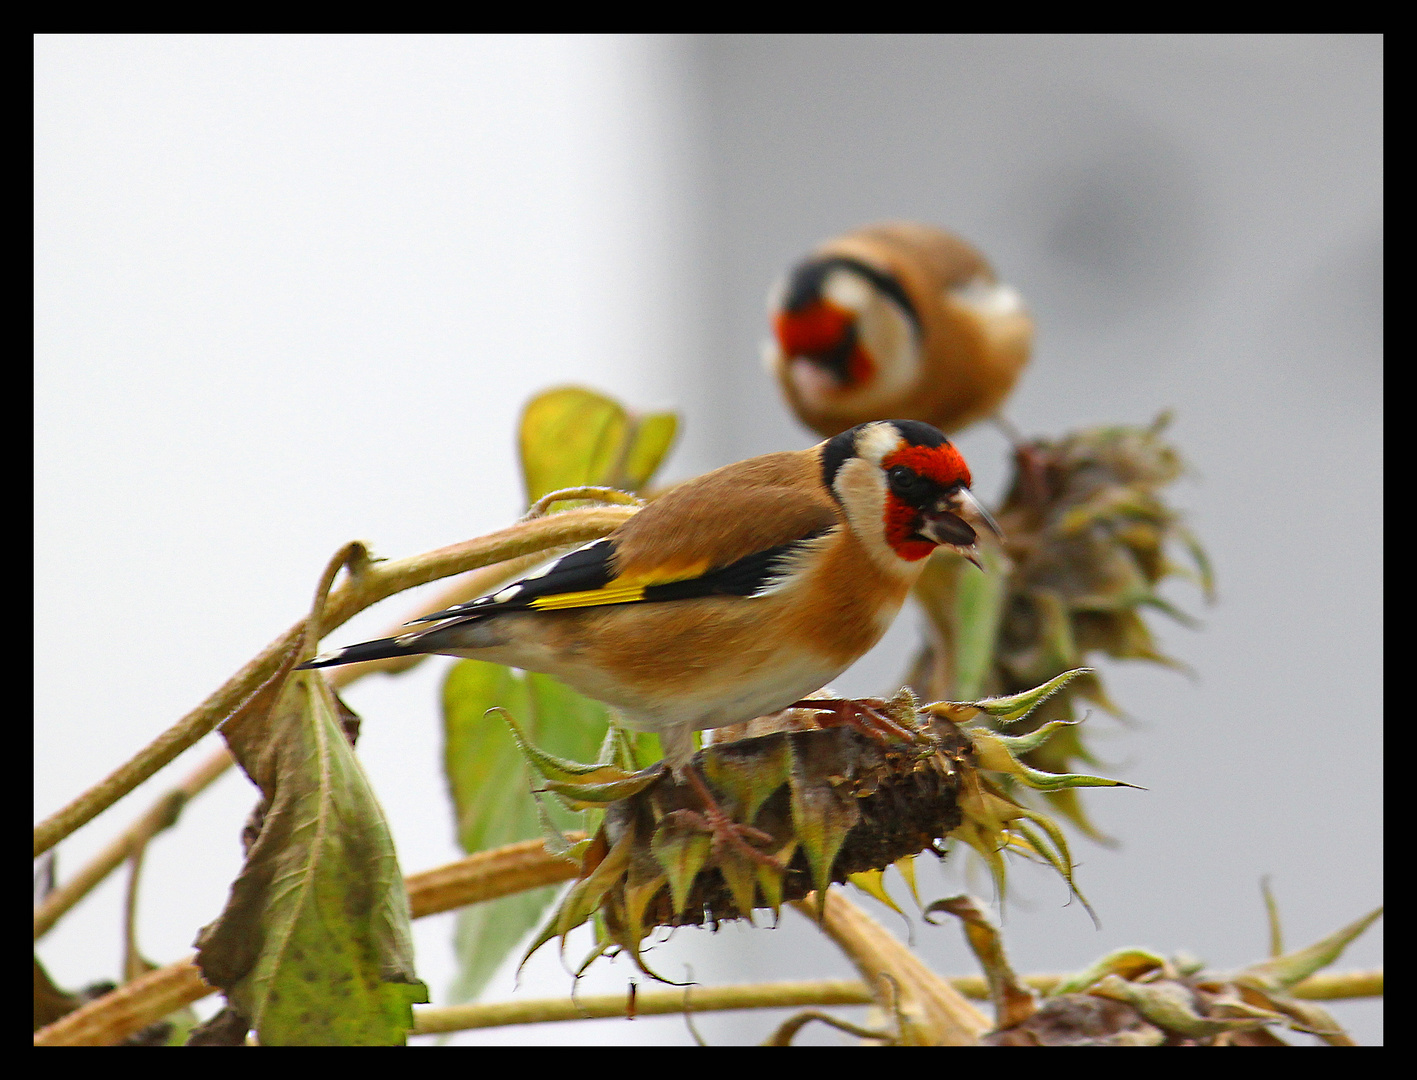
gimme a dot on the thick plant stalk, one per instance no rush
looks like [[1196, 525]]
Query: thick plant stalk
[[926, 1009], [438, 1020], [488, 875], [370, 583], [132, 1007]]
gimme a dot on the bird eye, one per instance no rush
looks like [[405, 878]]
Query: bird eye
[[907, 483]]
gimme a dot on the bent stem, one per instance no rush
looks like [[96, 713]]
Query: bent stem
[[163, 814], [373, 582], [167, 809], [927, 1010]]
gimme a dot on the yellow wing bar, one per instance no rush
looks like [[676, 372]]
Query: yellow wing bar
[[614, 593], [625, 589]]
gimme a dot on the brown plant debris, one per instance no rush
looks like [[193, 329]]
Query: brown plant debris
[[1133, 997]]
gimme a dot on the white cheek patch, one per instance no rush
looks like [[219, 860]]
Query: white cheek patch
[[889, 336], [771, 355], [812, 384], [883, 330], [861, 486]]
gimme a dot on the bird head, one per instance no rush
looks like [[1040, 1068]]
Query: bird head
[[896, 319], [905, 490], [845, 333]]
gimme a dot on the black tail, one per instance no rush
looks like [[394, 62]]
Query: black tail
[[368, 650]]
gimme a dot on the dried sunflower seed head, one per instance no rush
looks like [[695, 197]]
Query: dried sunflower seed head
[[828, 804], [1088, 541]]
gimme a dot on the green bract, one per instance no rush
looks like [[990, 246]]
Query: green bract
[[835, 804]]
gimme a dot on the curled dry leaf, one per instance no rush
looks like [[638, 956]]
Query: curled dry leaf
[[314, 945]]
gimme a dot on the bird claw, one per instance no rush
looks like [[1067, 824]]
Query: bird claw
[[729, 834], [862, 714], [723, 830]]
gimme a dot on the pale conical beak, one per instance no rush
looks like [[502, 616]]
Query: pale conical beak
[[975, 509], [948, 523]]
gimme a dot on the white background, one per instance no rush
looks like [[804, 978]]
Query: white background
[[293, 291]]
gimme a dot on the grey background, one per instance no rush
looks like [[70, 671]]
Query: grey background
[[292, 290]]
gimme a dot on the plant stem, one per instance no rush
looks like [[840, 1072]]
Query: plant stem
[[927, 1010], [166, 810], [161, 815], [434, 1020], [374, 582], [488, 875], [112, 1018]]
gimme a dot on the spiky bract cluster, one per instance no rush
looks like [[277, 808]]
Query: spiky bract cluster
[[833, 804], [1087, 535]]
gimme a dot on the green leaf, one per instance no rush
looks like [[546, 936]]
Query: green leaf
[[570, 437], [1014, 707], [629, 751], [653, 436], [1023, 744], [582, 796], [744, 775], [681, 848], [822, 814], [314, 945], [574, 437], [484, 768], [567, 724], [485, 934], [1283, 972], [1171, 1006], [872, 883], [491, 789], [1128, 963]]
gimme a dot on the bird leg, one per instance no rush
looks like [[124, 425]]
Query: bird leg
[[863, 714], [717, 822]]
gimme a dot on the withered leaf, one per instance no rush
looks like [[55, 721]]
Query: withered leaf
[[314, 945]]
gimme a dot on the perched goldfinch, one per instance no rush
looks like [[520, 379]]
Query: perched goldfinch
[[897, 319], [732, 595]]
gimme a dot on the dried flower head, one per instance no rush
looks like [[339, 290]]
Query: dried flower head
[[833, 804], [1087, 539]]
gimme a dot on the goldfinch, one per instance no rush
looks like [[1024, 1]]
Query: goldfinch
[[896, 319], [729, 596]]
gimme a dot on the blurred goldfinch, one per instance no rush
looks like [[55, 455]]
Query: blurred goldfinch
[[896, 319], [730, 596]]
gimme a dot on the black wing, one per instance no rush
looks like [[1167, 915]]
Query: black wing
[[586, 577]]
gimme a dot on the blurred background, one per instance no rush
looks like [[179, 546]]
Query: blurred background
[[291, 291]]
